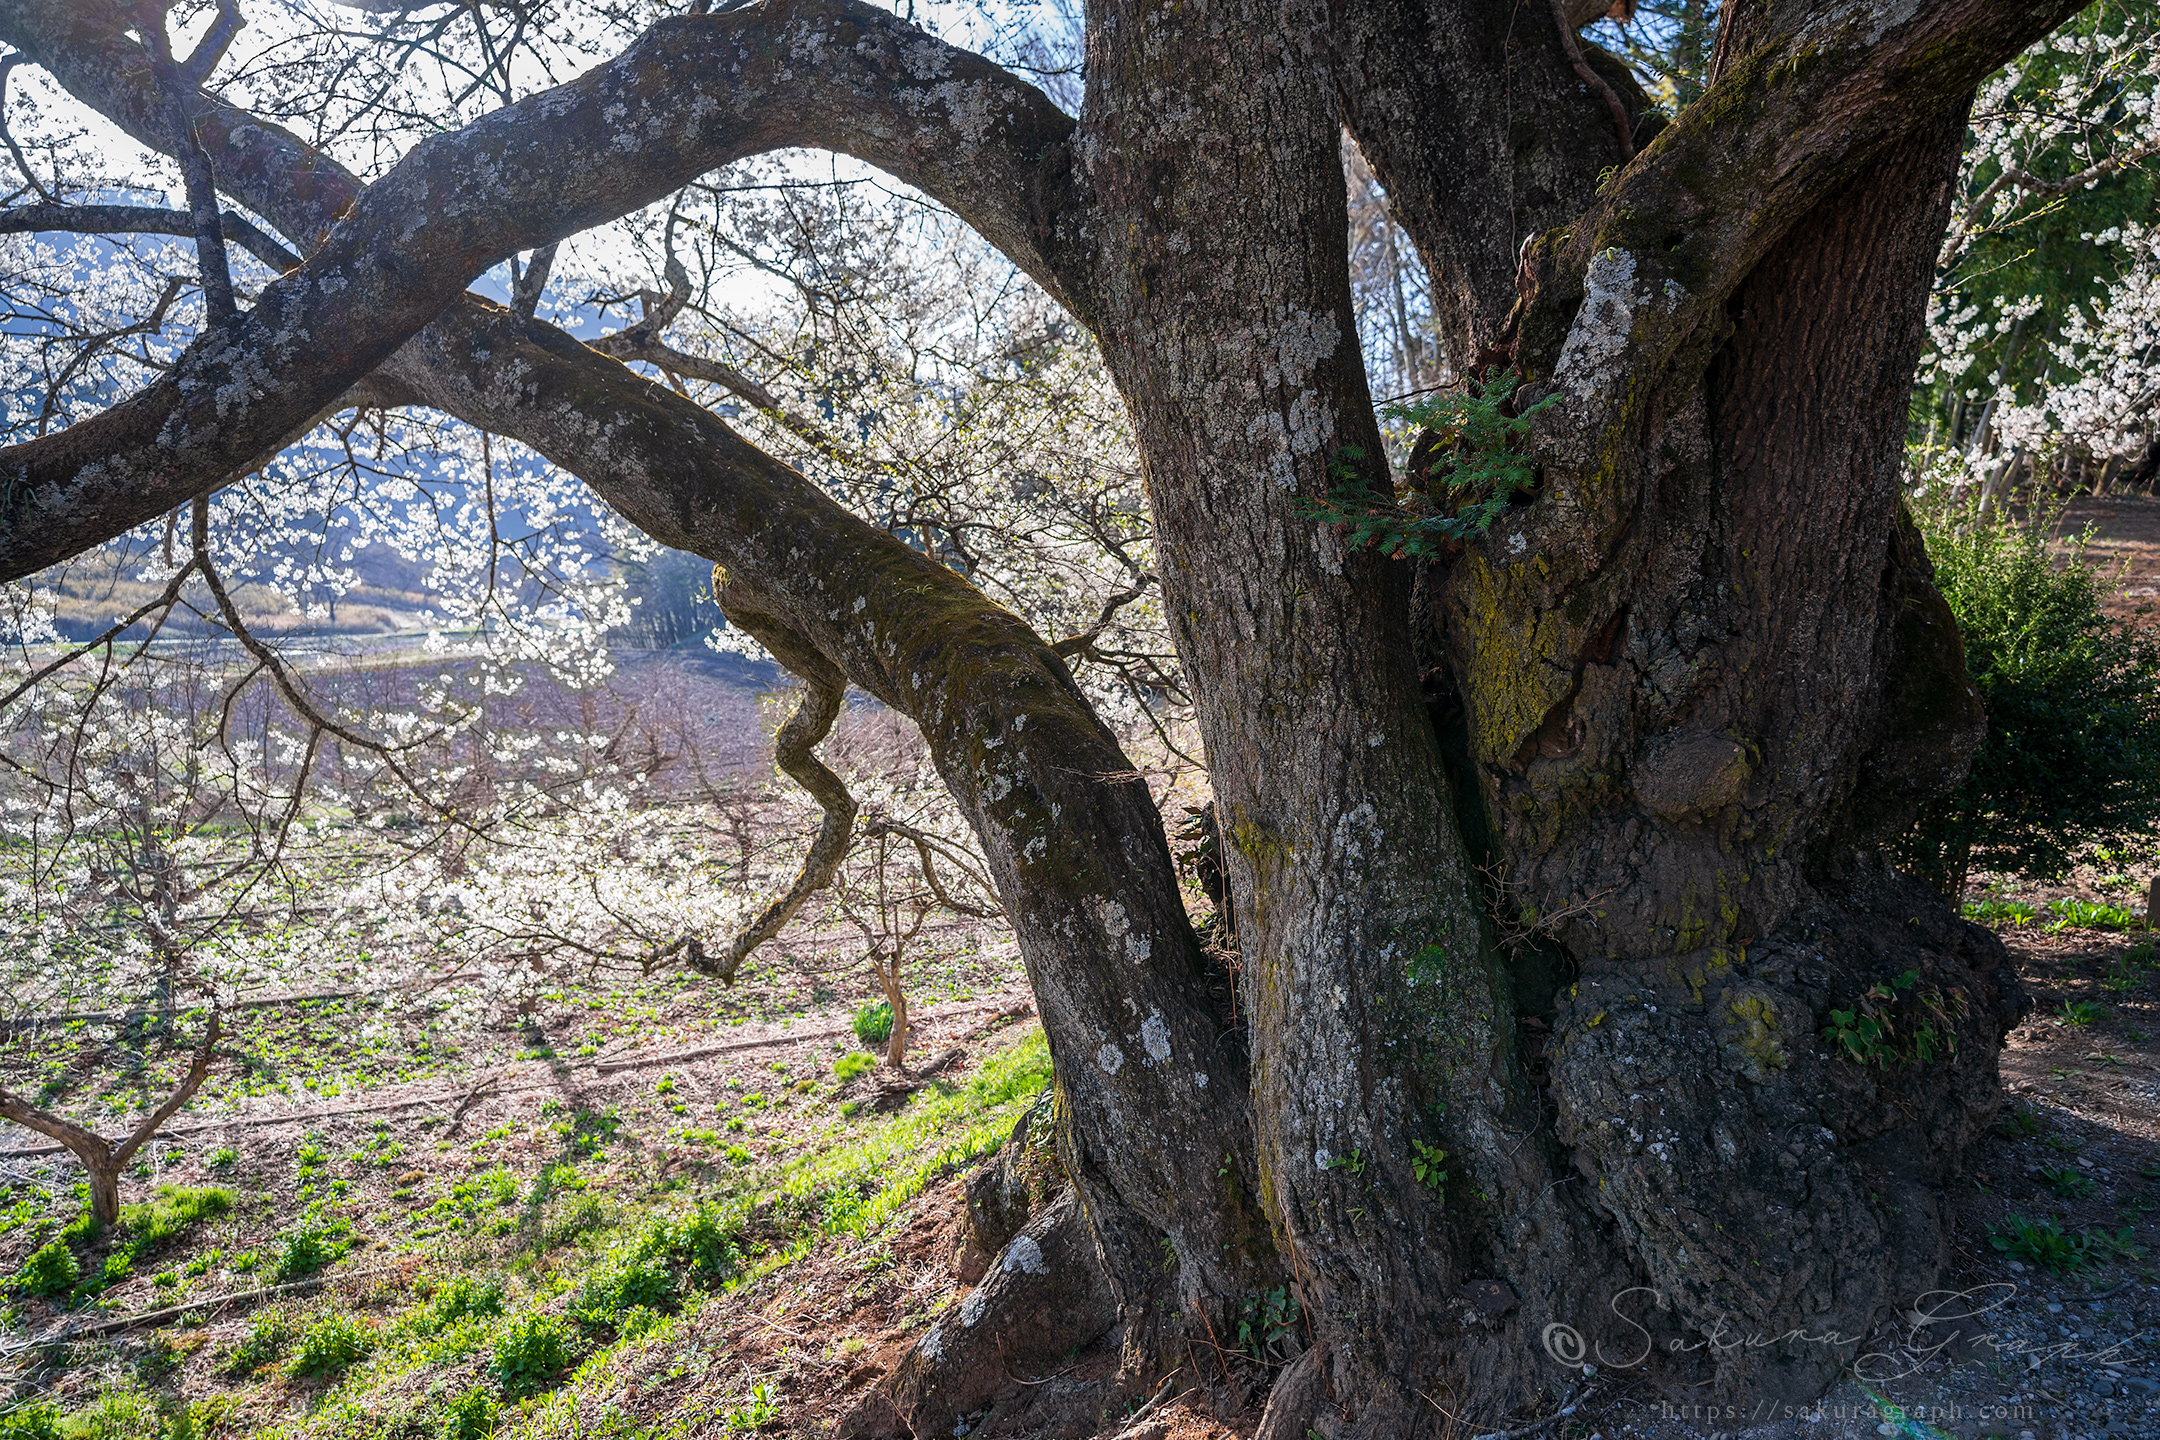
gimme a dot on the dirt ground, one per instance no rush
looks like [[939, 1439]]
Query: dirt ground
[[2126, 541]]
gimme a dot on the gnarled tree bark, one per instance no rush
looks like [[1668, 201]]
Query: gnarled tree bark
[[1679, 696]]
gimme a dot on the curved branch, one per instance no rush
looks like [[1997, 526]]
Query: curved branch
[[637, 343], [1621, 124], [925, 844], [1961, 230], [1084, 642], [794, 750], [692, 94], [198, 1070]]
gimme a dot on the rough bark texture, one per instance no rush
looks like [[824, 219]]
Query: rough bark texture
[[1675, 700], [1378, 1016]]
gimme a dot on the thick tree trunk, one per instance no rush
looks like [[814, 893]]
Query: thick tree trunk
[[1692, 702], [1381, 1022]]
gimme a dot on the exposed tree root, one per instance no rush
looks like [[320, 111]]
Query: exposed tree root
[[1045, 1296]]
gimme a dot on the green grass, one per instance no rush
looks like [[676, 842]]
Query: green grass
[[1999, 912], [873, 1023], [170, 1214], [524, 1298]]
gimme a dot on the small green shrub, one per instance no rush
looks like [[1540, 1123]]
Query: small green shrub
[[641, 1284], [51, 1270], [754, 1413], [858, 1062], [1999, 912], [223, 1158], [2044, 1242], [2093, 915], [2080, 1013], [1425, 1164], [307, 1250], [469, 1417], [703, 1243], [1470, 470], [529, 1354], [330, 1345], [2067, 1181], [1268, 1325], [31, 1422], [462, 1298], [1866, 1032], [2072, 752], [269, 1332], [873, 1023]]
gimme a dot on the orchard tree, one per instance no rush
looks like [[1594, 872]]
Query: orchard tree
[[1551, 842]]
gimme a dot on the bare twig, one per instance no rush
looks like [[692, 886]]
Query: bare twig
[[6, 64], [142, 220], [1961, 234], [1084, 642]]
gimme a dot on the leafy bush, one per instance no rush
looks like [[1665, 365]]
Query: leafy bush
[[1999, 912], [330, 1345], [469, 1417], [268, 1335], [754, 1413], [463, 1298], [640, 1284], [858, 1062], [1466, 457], [32, 1422], [2044, 1242], [702, 1242], [529, 1354], [308, 1250], [2069, 1183], [873, 1023], [51, 1270], [2072, 754]]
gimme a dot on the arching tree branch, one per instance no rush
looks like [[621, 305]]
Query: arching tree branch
[[1803, 100], [692, 94]]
